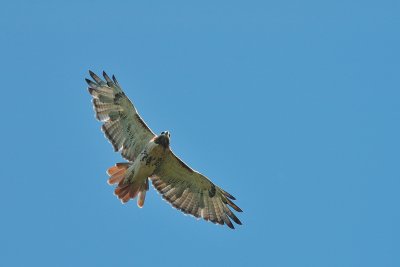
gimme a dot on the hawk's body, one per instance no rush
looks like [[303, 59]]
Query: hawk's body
[[150, 156]]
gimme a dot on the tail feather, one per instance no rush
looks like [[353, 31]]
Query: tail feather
[[142, 194], [117, 177], [117, 173], [121, 191], [141, 198], [126, 190], [114, 169], [134, 190]]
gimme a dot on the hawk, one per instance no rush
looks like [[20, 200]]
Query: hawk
[[149, 156]]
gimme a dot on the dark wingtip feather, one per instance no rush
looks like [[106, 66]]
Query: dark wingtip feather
[[115, 80], [106, 77], [230, 203], [228, 195], [89, 82], [232, 197], [95, 77], [229, 224], [235, 219], [238, 209]]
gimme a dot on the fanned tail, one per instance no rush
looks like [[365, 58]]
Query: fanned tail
[[117, 173], [125, 189]]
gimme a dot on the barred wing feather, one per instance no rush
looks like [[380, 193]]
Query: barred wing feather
[[123, 126], [192, 193]]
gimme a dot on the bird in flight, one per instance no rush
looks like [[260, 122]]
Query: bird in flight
[[149, 156]]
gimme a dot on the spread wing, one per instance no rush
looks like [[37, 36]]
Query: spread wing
[[123, 126], [192, 193]]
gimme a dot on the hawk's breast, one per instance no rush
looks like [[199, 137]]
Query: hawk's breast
[[151, 156]]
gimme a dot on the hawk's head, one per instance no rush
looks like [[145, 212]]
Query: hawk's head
[[163, 139]]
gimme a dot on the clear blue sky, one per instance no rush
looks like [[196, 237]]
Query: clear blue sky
[[292, 106]]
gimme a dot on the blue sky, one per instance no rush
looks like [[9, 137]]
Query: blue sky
[[291, 106]]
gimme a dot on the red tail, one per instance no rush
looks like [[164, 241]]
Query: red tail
[[127, 190]]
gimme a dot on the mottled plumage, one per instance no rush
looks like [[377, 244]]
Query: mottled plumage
[[149, 156]]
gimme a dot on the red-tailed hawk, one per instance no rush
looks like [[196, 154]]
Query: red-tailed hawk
[[150, 157]]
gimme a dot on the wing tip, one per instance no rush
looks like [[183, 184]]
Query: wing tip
[[238, 221], [115, 80], [228, 195], [89, 82], [106, 77], [231, 226], [233, 205]]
